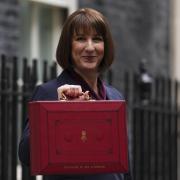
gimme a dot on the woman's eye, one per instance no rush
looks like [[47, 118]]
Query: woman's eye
[[98, 38], [80, 39]]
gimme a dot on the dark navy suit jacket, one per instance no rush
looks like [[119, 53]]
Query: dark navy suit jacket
[[48, 91]]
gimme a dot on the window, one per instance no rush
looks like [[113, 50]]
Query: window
[[41, 23]]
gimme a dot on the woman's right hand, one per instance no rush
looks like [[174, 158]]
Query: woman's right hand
[[72, 92]]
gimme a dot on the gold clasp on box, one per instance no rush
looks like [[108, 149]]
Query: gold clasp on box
[[83, 135]]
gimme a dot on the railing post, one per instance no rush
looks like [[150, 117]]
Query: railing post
[[34, 75], [53, 70], [4, 131], [25, 95], [45, 72], [14, 119]]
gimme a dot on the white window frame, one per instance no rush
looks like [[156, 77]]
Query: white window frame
[[70, 5]]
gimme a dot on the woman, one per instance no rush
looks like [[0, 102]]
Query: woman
[[84, 51]]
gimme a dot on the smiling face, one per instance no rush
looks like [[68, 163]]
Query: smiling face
[[87, 51]]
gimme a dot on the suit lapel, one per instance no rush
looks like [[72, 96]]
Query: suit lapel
[[65, 78], [112, 94]]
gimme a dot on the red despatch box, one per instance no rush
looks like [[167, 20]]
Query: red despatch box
[[78, 137]]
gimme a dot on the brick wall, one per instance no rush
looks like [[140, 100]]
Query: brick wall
[[9, 28], [139, 27], [140, 30]]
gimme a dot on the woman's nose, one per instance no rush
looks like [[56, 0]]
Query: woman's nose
[[89, 45]]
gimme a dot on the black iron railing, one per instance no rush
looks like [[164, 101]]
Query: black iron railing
[[152, 118]]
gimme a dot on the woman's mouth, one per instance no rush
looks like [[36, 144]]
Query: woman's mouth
[[88, 57]]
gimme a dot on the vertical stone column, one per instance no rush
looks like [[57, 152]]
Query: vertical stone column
[[175, 38], [35, 31], [175, 58]]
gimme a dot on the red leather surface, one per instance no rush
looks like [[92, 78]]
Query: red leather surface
[[78, 137]]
